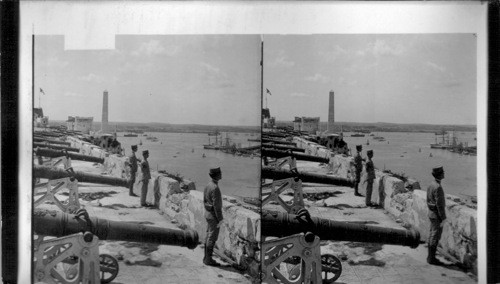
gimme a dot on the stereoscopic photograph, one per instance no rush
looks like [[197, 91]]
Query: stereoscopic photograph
[[252, 142]]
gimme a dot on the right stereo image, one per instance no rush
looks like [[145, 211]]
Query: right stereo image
[[369, 157]]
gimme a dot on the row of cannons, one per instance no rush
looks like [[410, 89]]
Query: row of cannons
[[66, 247], [66, 243], [291, 251]]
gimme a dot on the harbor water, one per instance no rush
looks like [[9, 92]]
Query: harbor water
[[182, 153], [411, 154]]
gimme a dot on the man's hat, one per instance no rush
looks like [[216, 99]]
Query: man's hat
[[134, 147], [145, 152], [437, 170], [359, 147], [214, 171], [369, 152]]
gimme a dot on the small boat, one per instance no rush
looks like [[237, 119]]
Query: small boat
[[130, 135], [203, 156], [358, 135]]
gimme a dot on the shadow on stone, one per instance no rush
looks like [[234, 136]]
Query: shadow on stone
[[115, 206], [94, 195], [320, 196], [363, 222], [340, 206]]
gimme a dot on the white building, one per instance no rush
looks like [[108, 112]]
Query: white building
[[306, 124], [78, 123]]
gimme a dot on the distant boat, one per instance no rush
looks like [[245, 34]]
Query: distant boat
[[130, 135], [357, 135]]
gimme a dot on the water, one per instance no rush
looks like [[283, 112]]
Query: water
[[241, 175], [174, 153], [400, 153]]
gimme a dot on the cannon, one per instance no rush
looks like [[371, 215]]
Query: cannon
[[279, 224], [298, 245], [54, 173], [56, 147], [55, 154], [277, 174], [282, 147], [51, 141], [73, 256], [268, 140], [297, 156]]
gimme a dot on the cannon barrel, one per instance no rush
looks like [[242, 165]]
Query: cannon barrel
[[281, 154], [279, 224], [283, 147], [275, 174], [51, 141], [47, 134], [57, 224], [55, 147], [54, 154], [267, 140], [55, 173]]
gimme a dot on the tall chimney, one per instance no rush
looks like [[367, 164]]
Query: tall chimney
[[104, 121], [331, 113]]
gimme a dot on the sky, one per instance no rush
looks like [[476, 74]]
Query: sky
[[396, 78], [178, 79]]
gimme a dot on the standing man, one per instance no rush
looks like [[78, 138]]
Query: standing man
[[358, 163], [370, 177], [146, 176], [437, 214], [132, 160], [212, 199]]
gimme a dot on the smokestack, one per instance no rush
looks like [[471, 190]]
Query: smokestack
[[104, 121], [331, 112]]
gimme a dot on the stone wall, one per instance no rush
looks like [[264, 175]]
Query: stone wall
[[459, 238], [240, 231]]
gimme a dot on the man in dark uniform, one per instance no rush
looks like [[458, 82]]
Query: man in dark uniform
[[358, 163], [146, 176], [132, 163], [370, 177], [212, 200], [437, 215]]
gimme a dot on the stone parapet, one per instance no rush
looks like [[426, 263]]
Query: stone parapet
[[459, 238]]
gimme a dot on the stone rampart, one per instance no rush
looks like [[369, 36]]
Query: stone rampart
[[459, 238], [240, 232]]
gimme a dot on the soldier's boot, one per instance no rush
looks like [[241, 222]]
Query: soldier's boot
[[356, 192], [208, 260], [431, 258]]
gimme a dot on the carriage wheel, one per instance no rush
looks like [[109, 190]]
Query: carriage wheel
[[108, 266], [331, 268]]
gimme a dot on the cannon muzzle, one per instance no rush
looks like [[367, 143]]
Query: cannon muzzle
[[57, 224], [55, 147], [282, 147], [275, 141], [51, 141], [298, 156], [276, 174], [54, 154], [279, 224], [54, 173]]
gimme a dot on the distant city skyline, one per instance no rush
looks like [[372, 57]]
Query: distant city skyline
[[178, 79], [392, 78]]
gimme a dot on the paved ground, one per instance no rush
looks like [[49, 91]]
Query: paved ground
[[147, 263], [361, 263], [371, 263]]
